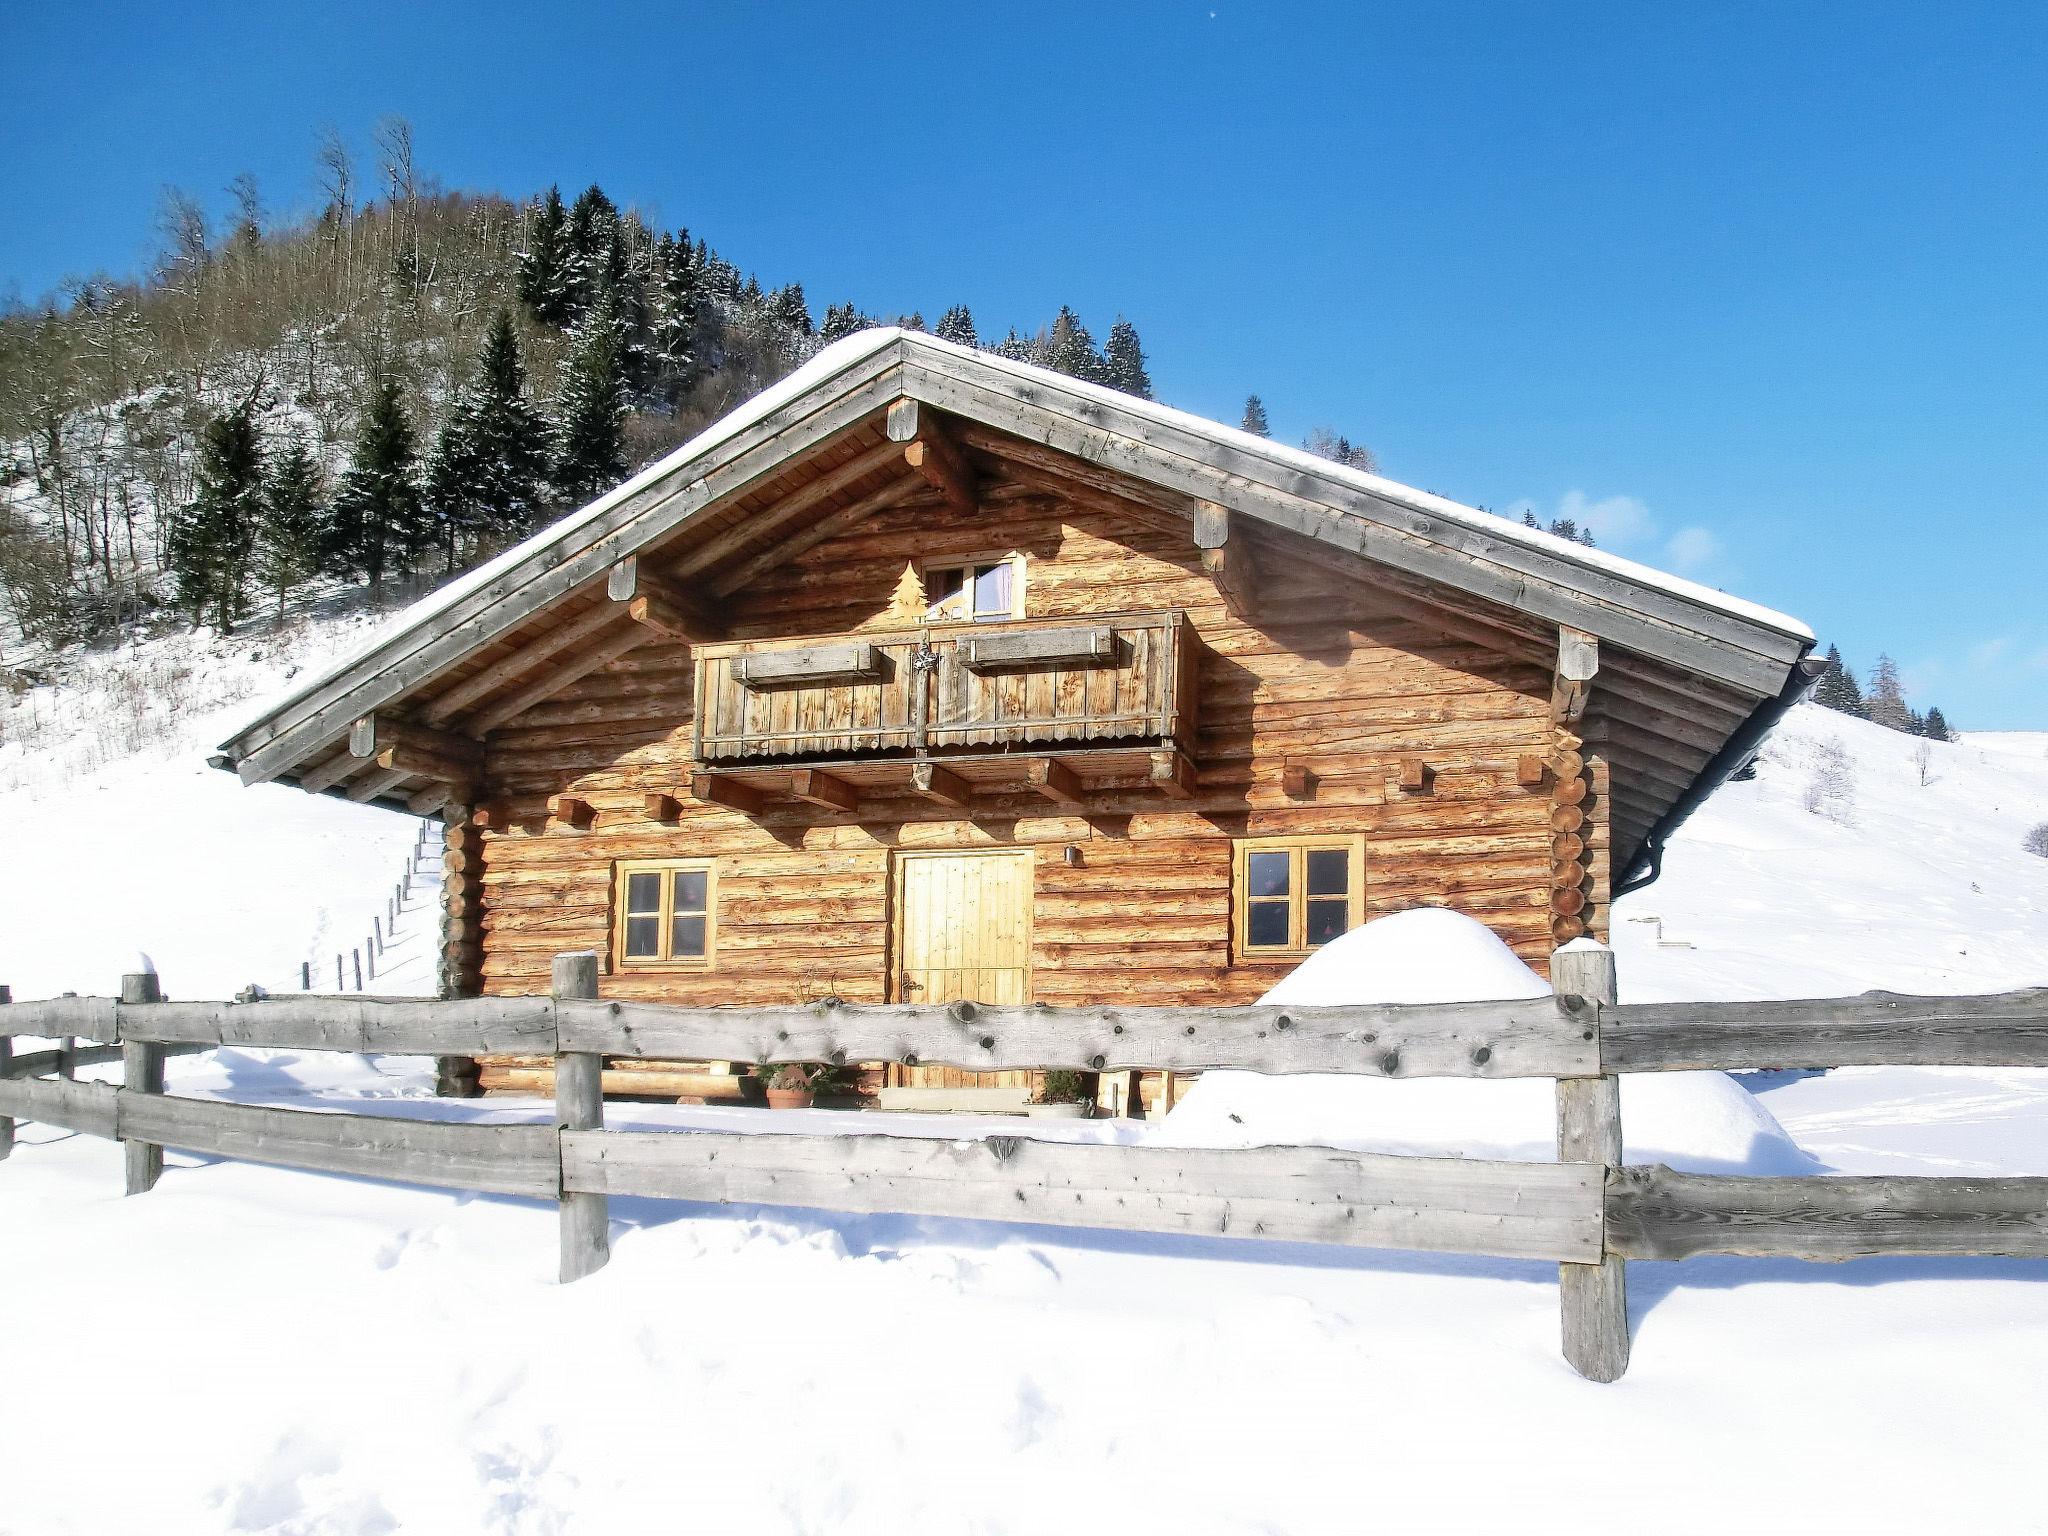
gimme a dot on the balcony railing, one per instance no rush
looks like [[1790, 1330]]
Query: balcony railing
[[1043, 683]]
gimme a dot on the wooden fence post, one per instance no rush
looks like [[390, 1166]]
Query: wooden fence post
[[6, 1059], [142, 1071], [579, 1106], [1593, 1297]]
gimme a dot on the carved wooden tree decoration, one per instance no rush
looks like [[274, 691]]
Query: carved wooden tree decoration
[[907, 603]]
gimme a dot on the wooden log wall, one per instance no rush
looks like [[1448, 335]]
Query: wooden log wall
[[1307, 708]]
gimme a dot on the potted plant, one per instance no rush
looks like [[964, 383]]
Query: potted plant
[[1062, 1095], [790, 1086], [800, 1084]]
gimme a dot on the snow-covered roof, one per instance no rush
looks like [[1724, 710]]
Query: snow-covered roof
[[1738, 644]]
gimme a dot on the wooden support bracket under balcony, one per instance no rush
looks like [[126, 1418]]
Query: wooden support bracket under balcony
[[1173, 774], [721, 789], [663, 808], [941, 784], [1055, 780], [814, 787]]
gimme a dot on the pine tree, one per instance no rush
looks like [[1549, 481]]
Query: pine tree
[[379, 519], [589, 434], [1327, 444], [672, 346], [544, 285], [509, 438], [1125, 361], [1072, 349], [1837, 688], [1937, 727], [1884, 703], [842, 320], [293, 532], [957, 326], [788, 306], [596, 255], [1255, 417], [1529, 519], [213, 537]]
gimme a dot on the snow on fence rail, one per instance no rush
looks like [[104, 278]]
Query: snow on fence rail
[[1587, 1211]]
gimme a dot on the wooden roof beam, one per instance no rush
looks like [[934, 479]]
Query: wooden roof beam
[[1056, 781], [928, 449], [1228, 560], [374, 735], [521, 663], [660, 604], [1578, 661], [557, 678]]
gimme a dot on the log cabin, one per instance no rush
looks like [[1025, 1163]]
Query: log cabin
[[928, 675]]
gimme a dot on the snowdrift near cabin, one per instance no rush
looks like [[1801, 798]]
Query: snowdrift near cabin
[[1702, 1122], [1428, 955]]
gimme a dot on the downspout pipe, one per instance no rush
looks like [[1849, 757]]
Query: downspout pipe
[[1736, 753]]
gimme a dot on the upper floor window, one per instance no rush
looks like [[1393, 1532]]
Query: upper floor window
[[665, 913], [1295, 894], [978, 591]]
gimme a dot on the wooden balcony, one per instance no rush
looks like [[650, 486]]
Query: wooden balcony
[[1114, 691]]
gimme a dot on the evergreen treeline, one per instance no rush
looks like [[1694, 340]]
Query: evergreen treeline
[[384, 392], [1883, 702]]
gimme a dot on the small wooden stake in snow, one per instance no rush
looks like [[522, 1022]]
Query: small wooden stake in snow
[[6, 1056], [142, 1071], [579, 1106], [1593, 1297]]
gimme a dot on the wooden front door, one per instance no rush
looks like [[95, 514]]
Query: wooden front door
[[963, 933]]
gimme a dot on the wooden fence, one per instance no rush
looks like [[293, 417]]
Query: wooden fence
[[1587, 1211]]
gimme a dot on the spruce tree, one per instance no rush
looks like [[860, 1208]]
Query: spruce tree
[[841, 320], [788, 306], [293, 532], [1072, 349], [1937, 726], [590, 451], [596, 264], [508, 438], [544, 280], [672, 347], [1124, 360], [1255, 417], [213, 537], [450, 482], [1837, 688], [380, 520], [957, 325]]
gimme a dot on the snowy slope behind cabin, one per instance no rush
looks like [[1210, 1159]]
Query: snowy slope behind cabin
[[120, 837]]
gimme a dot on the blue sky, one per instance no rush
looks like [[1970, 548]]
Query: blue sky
[[1756, 289]]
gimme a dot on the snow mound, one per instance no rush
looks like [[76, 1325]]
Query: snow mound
[[1429, 955], [1702, 1122]]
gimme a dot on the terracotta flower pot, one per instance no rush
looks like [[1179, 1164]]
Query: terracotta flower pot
[[789, 1098]]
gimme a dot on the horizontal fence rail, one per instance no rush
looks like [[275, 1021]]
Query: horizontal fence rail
[[1288, 1194], [1544, 1037], [1587, 1211]]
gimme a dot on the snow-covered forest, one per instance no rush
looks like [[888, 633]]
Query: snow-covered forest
[[380, 392]]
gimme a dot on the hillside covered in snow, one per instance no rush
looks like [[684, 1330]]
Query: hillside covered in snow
[[345, 1356]]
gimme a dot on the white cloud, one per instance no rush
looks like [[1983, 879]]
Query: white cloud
[[1690, 549], [1991, 652], [1616, 521]]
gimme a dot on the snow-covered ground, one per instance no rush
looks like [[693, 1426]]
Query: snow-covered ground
[[316, 1354]]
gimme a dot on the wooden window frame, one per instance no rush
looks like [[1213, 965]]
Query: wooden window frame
[[1299, 847], [622, 871], [1014, 559]]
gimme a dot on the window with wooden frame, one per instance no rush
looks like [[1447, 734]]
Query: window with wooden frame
[[665, 914], [1292, 895], [984, 590]]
